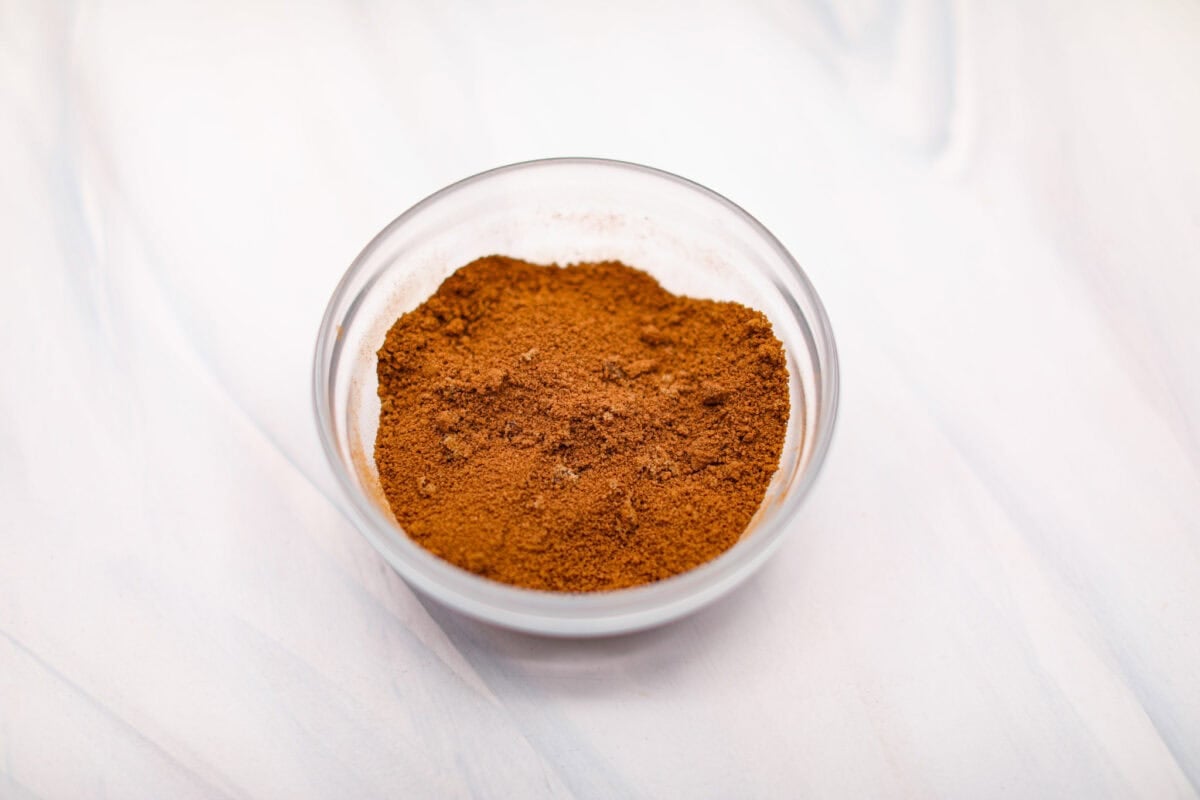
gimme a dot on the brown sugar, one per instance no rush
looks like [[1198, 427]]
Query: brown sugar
[[577, 428]]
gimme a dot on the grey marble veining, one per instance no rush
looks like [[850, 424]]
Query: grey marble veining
[[992, 591]]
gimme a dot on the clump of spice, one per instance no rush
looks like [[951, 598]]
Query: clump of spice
[[577, 428]]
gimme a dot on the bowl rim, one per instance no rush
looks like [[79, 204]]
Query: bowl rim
[[563, 613]]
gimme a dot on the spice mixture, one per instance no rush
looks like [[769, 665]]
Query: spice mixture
[[577, 428]]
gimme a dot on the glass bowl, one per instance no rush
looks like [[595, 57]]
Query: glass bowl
[[693, 240]]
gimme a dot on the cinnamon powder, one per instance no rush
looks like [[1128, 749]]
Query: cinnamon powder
[[577, 428]]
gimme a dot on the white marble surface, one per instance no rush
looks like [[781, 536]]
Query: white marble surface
[[994, 590]]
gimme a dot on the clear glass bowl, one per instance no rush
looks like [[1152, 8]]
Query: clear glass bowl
[[694, 241]]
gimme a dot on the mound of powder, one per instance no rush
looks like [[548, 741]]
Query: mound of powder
[[577, 428]]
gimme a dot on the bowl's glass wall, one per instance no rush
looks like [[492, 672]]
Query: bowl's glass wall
[[569, 210]]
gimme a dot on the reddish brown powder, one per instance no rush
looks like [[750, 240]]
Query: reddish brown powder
[[577, 428]]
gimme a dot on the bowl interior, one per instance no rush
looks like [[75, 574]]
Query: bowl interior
[[561, 211]]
